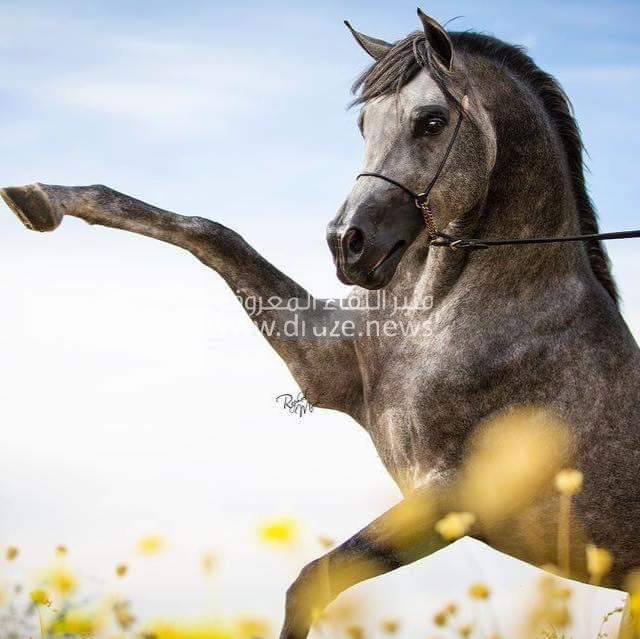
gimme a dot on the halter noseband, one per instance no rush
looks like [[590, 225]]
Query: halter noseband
[[437, 238]]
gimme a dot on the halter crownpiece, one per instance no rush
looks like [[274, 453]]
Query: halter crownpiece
[[438, 238]]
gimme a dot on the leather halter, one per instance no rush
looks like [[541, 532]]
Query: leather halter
[[437, 238]]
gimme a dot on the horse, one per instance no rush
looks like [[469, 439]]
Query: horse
[[494, 137]]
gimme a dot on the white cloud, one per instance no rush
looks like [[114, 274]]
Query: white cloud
[[164, 83], [173, 87]]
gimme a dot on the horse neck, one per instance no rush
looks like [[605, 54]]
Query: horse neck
[[529, 194]]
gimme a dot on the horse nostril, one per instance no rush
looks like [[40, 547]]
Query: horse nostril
[[354, 241]]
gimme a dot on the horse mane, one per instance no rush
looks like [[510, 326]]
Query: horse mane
[[411, 54]]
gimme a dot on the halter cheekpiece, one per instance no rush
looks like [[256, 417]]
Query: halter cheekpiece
[[438, 238]]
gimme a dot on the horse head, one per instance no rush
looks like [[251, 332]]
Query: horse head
[[409, 122]]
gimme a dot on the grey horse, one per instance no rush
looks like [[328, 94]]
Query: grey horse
[[509, 326]]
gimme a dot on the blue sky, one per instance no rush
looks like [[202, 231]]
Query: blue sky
[[191, 104], [154, 395]]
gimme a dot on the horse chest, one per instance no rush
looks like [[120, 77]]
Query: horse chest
[[407, 395], [424, 396]]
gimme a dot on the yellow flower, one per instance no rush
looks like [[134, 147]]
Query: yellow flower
[[122, 570], [569, 481], [451, 608], [282, 531], [548, 609], [632, 586], [11, 553], [325, 541], [61, 580], [195, 630], [151, 545], [560, 617], [455, 525], [40, 596], [251, 627], [563, 592], [465, 630], [441, 618], [390, 626], [355, 632], [122, 614], [208, 562], [74, 623], [61, 550], [512, 459], [599, 562], [479, 591]]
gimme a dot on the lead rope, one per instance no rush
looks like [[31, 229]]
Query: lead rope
[[437, 238]]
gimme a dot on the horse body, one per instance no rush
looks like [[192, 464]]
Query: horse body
[[515, 327], [425, 398], [507, 327]]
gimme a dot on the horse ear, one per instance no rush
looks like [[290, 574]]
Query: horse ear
[[437, 38], [377, 49]]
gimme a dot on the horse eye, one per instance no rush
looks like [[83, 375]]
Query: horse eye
[[431, 126]]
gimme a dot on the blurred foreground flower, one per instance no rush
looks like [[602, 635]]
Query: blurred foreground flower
[[326, 541], [75, 623], [355, 632], [632, 586], [513, 460], [390, 626], [208, 562], [60, 580], [123, 615], [282, 531], [454, 525], [11, 553], [151, 545], [249, 627], [40, 597], [441, 618], [162, 629], [122, 570], [599, 563], [549, 611], [569, 481], [479, 590]]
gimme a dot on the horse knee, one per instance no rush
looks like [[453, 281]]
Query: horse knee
[[309, 593], [201, 228]]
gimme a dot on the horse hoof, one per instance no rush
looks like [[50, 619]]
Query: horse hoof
[[32, 206]]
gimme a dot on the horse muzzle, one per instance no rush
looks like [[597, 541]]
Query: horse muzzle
[[367, 244]]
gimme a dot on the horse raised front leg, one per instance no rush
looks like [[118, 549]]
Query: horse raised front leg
[[401, 536], [326, 370]]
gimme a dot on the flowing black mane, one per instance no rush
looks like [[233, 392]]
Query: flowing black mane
[[409, 55]]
